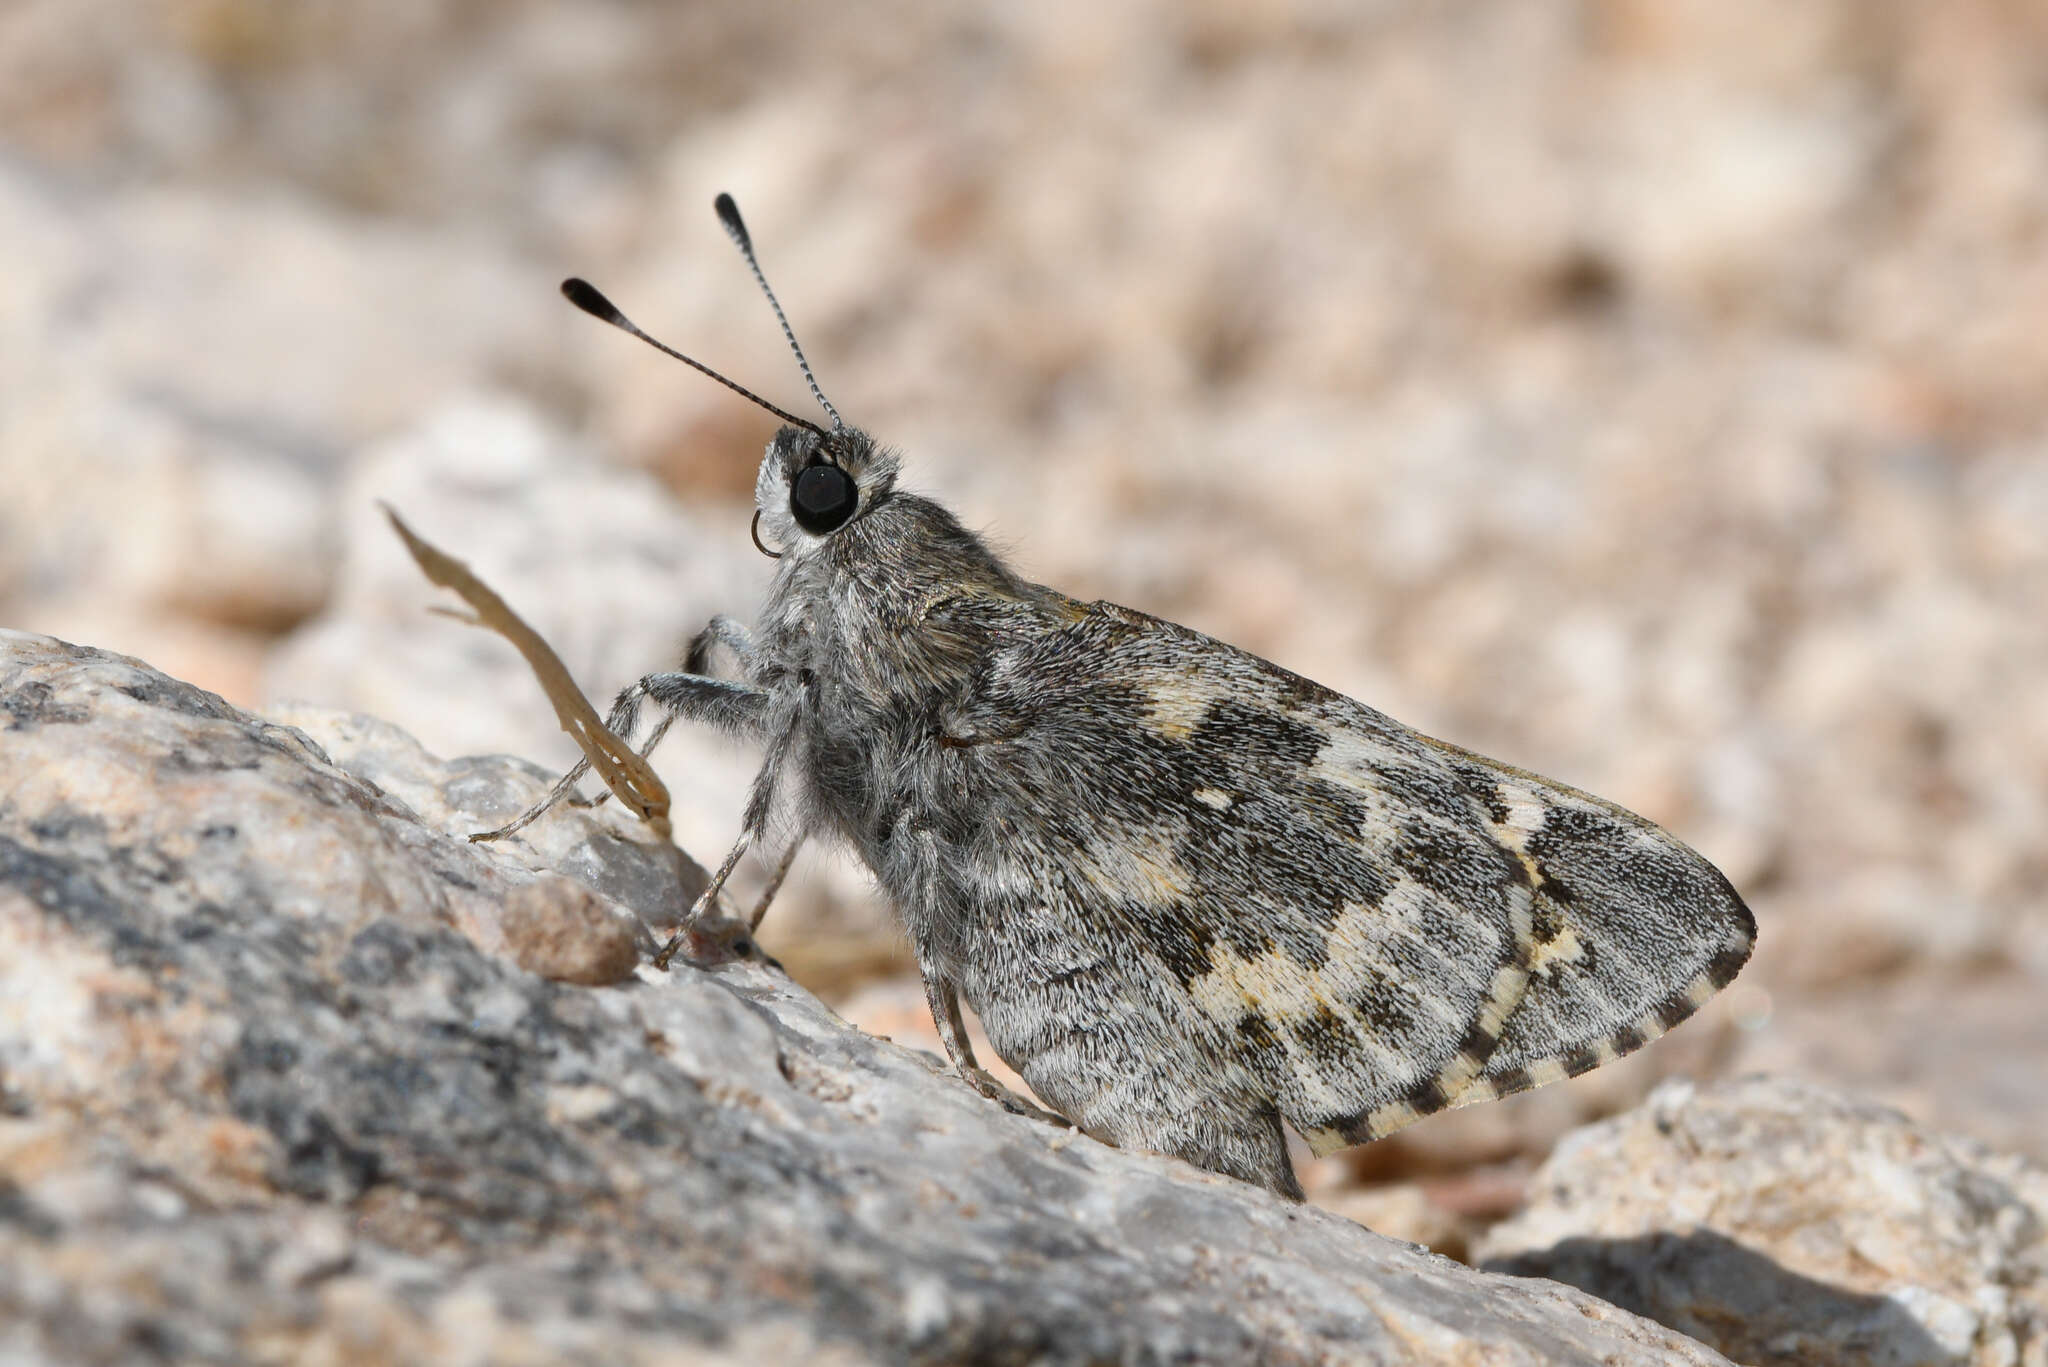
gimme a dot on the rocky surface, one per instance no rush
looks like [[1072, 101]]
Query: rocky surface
[[1960, 1051], [279, 1080], [1793, 1226], [1646, 394]]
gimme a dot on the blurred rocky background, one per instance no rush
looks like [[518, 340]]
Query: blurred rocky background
[[1654, 395]]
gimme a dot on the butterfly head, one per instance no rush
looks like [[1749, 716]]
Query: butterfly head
[[816, 482]]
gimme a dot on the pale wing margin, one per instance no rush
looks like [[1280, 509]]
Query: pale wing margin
[[1633, 930]]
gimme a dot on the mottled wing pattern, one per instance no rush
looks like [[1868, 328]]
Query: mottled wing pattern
[[1374, 924]]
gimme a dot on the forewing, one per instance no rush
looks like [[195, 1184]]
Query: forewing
[[1374, 924], [1309, 873]]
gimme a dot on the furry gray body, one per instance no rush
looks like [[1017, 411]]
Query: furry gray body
[[1188, 893]]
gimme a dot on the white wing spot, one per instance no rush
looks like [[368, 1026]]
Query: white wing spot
[[1176, 706], [1279, 988], [1353, 758], [1140, 864], [1213, 797], [1565, 948], [1527, 810]]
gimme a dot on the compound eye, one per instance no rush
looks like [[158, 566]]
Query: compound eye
[[822, 498]]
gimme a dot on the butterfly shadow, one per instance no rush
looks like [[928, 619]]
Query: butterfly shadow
[[1735, 1300]]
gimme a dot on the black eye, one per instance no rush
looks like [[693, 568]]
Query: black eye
[[822, 498]]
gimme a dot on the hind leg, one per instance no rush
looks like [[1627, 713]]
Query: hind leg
[[944, 1000], [1252, 1147]]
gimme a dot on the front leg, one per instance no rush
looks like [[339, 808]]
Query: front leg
[[774, 884], [944, 1000], [723, 631], [783, 725]]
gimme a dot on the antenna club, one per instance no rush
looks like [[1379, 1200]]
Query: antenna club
[[729, 214], [587, 297]]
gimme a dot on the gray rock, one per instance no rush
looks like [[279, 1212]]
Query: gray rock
[[1788, 1224], [275, 1085], [597, 845]]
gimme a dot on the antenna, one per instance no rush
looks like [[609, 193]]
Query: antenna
[[585, 296], [729, 215]]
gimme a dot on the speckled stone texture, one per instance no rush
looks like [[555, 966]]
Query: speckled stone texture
[[1793, 1226], [275, 1085]]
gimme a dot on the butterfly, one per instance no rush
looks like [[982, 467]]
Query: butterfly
[[1193, 898]]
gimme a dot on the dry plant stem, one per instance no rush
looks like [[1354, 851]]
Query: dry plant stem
[[627, 774], [566, 784], [704, 899]]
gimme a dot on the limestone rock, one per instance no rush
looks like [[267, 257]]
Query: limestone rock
[[597, 845], [275, 1085], [1787, 1224]]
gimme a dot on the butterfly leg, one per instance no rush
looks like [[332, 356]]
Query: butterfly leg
[[721, 631], [774, 886], [732, 707], [760, 802], [716, 884], [944, 1000]]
